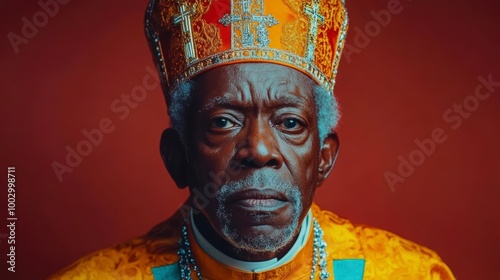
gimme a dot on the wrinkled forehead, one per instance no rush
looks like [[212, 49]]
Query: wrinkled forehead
[[253, 81]]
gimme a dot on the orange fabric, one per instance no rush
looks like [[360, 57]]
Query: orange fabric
[[387, 256]]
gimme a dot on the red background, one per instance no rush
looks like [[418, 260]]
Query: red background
[[393, 92]]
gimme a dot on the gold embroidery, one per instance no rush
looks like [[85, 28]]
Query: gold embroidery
[[293, 33], [295, 5], [183, 18], [323, 56], [207, 38], [294, 36], [206, 35]]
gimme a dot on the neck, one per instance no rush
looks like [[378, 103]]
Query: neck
[[214, 238]]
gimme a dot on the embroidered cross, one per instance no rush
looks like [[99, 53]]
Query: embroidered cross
[[315, 19], [184, 18], [246, 19]]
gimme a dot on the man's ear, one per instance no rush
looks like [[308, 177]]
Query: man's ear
[[328, 156], [174, 156]]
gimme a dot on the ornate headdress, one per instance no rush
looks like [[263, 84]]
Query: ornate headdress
[[188, 37]]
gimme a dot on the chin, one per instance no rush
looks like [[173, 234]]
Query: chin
[[261, 238]]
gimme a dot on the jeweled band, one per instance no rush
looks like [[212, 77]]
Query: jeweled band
[[188, 37]]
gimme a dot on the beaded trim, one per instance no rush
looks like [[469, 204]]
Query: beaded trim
[[186, 257], [319, 252]]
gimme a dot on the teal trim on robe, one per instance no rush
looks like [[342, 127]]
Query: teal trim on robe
[[171, 271], [348, 269]]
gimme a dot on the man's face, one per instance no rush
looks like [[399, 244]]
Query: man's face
[[253, 151]]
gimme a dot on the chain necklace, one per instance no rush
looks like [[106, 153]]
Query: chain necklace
[[186, 258]]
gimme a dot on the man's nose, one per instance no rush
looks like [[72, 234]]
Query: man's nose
[[260, 146]]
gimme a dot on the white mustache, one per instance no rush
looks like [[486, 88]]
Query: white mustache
[[260, 180]]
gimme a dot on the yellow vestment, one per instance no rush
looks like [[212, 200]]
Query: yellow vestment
[[383, 256]]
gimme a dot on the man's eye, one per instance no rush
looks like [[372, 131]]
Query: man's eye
[[221, 122], [291, 125]]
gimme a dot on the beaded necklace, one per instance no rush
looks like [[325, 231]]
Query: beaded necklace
[[186, 258]]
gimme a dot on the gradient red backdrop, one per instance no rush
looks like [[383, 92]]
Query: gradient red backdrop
[[394, 88]]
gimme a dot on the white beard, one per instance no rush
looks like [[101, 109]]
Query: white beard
[[260, 243]]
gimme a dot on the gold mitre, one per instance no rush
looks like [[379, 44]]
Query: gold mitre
[[188, 37]]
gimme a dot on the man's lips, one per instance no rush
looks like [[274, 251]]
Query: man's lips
[[258, 199]]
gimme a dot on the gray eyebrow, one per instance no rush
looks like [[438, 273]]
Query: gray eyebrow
[[291, 100]]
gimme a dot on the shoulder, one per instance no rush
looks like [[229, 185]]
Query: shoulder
[[398, 258], [387, 255], [129, 260]]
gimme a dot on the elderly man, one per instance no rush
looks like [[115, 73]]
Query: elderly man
[[249, 87]]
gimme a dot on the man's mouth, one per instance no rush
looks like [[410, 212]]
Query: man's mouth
[[258, 199]]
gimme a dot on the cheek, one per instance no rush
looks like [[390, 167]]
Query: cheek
[[208, 167], [209, 163], [303, 163], [310, 179]]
